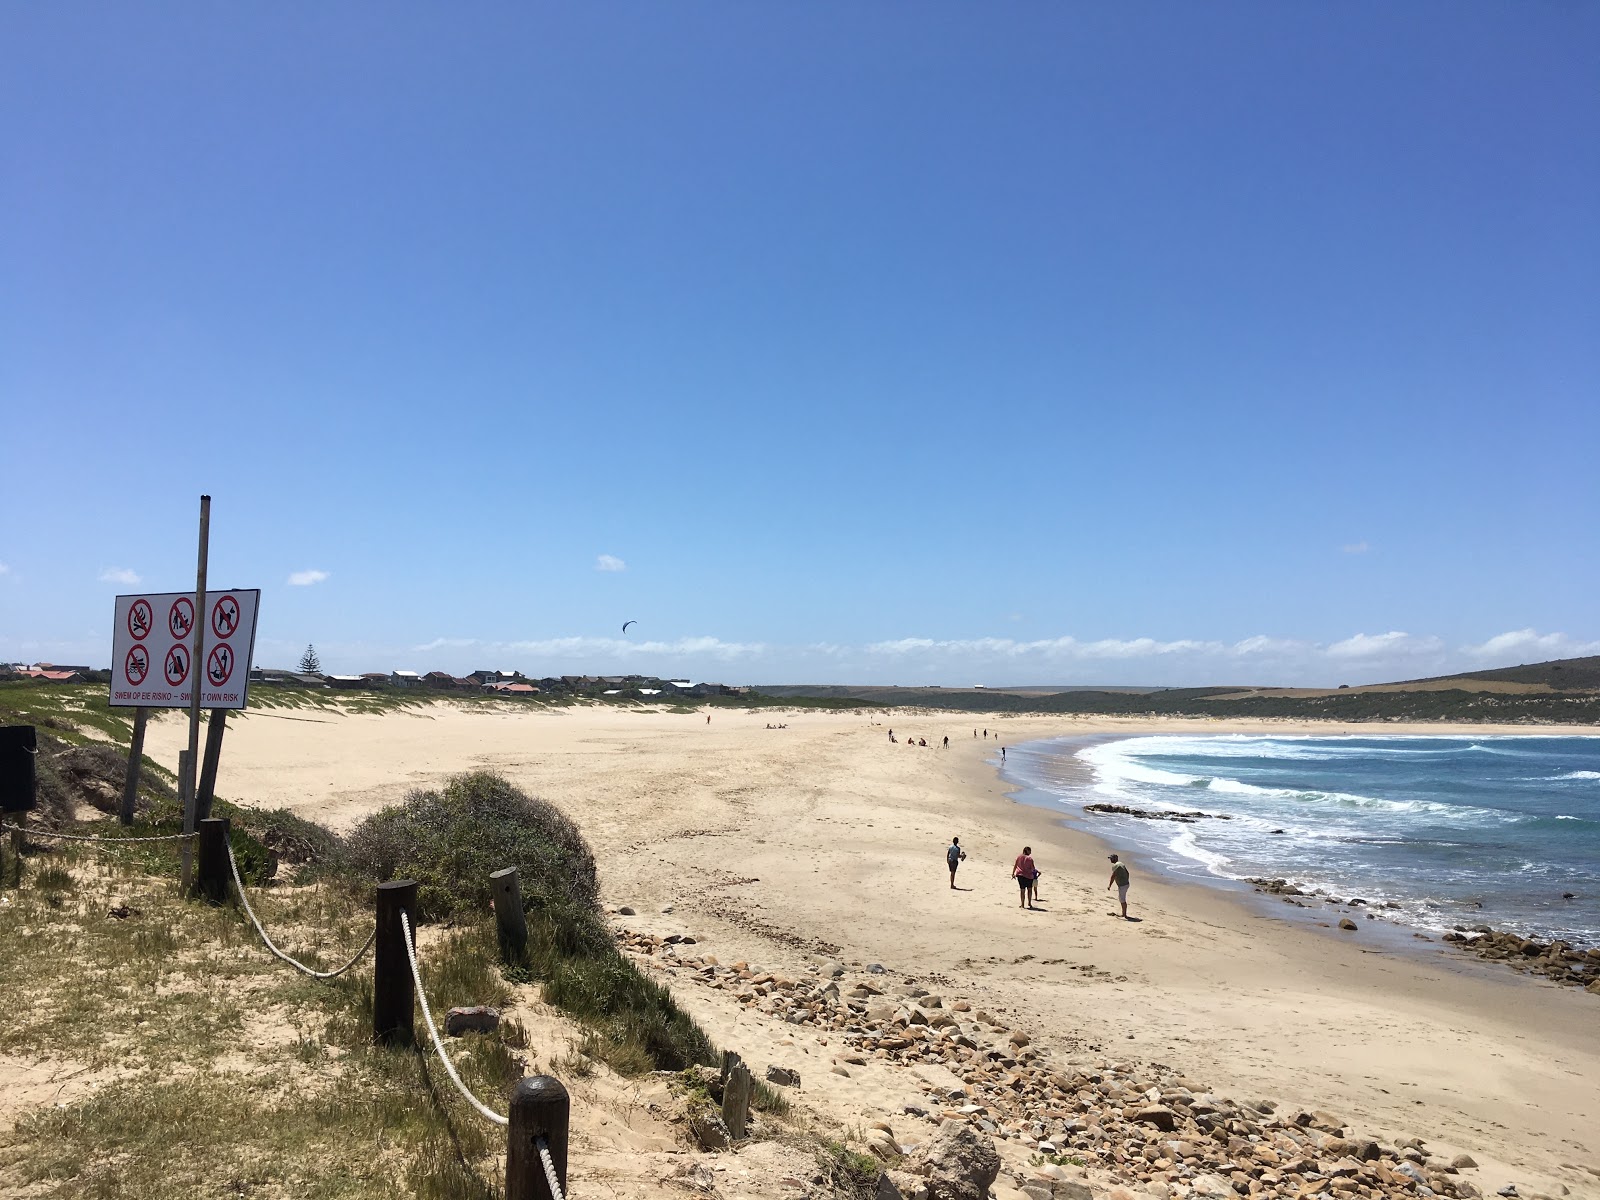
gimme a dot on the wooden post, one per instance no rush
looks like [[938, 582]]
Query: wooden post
[[736, 1101], [730, 1060], [130, 786], [197, 671], [211, 881], [19, 838], [506, 886], [394, 997], [208, 768], [540, 1107]]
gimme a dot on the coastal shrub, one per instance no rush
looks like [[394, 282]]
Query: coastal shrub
[[449, 841]]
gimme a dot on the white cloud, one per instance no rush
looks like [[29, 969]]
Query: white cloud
[[1529, 645], [119, 575], [306, 578], [618, 648], [1393, 644], [1054, 648], [4, 568], [1355, 548], [609, 562]]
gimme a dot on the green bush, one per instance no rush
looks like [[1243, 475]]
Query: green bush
[[450, 841]]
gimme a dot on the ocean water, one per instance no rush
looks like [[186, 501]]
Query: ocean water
[[1453, 830]]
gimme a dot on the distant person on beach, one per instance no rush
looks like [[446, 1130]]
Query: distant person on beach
[[952, 857], [947, 742], [1002, 754], [1023, 871], [891, 735], [1119, 877], [922, 742]]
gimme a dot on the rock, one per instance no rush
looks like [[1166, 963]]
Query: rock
[[959, 1164], [909, 1186], [883, 1145], [783, 1077], [1159, 1115], [667, 909], [626, 911], [479, 1019], [708, 1130], [1037, 1191], [833, 970], [1467, 1191], [1348, 925], [840, 1071], [1019, 1039], [1071, 1189], [1463, 1160], [1211, 1185], [876, 969]]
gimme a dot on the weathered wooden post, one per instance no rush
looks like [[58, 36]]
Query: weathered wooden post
[[506, 887], [208, 770], [211, 877], [19, 750], [540, 1108], [186, 798], [730, 1060], [394, 998], [736, 1101], [130, 786]]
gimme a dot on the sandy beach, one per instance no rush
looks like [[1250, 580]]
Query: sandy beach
[[823, 840]]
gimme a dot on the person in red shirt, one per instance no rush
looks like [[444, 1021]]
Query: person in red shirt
[[1023, 872]]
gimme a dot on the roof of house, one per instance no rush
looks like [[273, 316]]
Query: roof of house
[[408, 674]]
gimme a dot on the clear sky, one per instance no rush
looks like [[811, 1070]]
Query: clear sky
[[891, 342]]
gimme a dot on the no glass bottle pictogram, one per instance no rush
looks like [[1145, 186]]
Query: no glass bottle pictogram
[[219, 665], [140, 621], [177, 664], [137, 665], [225, 616], [180, 619]]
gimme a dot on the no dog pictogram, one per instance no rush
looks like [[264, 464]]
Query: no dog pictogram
[[177, 664], [219, 665], [140, 620], [225, 616], [180, 619], [137, 665]]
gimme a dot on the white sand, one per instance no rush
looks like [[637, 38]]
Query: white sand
[[774, 845]]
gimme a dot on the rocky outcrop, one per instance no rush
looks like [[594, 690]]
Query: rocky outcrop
[[958, 1164]]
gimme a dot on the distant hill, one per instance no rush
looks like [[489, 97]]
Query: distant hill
[[1564, 692]]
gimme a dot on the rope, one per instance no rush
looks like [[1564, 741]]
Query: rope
[[78, 837], [549, 1168], [427, 1014], [299, 966]]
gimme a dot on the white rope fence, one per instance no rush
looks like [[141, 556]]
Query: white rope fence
[[549, 1168], [244, 900], [79, 837], [433, 1031]]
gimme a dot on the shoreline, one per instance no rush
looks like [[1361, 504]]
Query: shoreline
[[822, 840]]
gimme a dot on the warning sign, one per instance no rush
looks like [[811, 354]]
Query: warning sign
[[225, 616], [140, 620], [177, 664], [153, 651]]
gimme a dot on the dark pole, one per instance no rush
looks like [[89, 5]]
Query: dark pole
[[393, 996], [130, 786], [211, 880], [539, 1108], [208, 770], [196, 673]]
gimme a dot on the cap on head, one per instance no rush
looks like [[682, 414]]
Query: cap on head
[[1111, 858]]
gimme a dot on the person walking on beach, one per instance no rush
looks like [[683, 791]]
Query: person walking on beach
[[1023, 872], [1119, 876], [952, 857]]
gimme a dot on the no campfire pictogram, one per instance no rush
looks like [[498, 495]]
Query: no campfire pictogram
[[225, 617], [219, 665], [140, 621], [180, 620], [137, 665], [177, 664]]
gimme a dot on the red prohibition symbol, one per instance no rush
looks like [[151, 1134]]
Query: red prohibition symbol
[[136, 666], [180, 620], [225, 617], [219, 665], [140, 620], [177, 665]]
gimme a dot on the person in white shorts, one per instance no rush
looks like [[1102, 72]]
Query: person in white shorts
[[1119, 876]]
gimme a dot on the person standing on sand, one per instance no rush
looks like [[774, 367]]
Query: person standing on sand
[[953, 857], [1023, 872], [1119, 876]]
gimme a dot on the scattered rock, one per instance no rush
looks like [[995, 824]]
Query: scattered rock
[[708, 1130], [478, 1019], [1162, 1117], [1461, 1161], [1348, 925], [626, 911], [783, 1077], [959, 1163]]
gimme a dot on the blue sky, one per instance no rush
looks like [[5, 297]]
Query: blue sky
[[1149, 343]]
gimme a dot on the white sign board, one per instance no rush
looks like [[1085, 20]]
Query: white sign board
[[153, 647]]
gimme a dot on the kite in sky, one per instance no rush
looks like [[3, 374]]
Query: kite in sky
[[625, 625]]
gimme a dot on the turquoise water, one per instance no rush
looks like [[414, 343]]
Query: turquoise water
[[1454, 830]]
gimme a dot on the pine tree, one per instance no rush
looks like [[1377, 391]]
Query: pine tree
[[310, 664]]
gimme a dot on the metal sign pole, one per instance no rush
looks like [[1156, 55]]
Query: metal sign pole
[[197, 673]]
